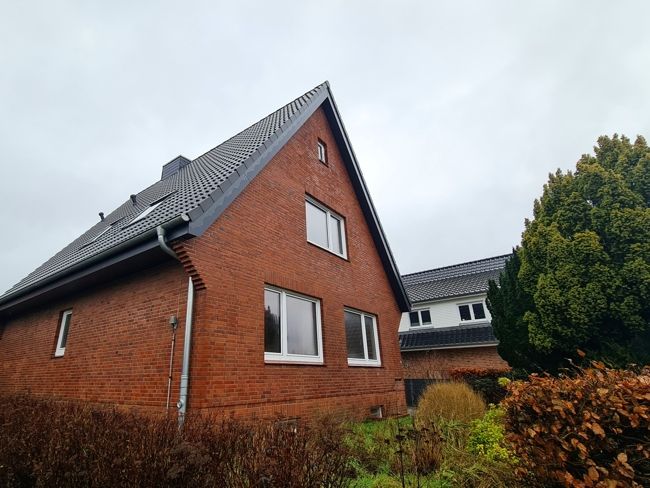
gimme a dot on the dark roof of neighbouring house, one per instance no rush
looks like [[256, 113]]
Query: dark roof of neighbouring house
[[448, 337], [194, 194], [453, 281]]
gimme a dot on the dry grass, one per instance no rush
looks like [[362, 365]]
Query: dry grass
[[453, 401]]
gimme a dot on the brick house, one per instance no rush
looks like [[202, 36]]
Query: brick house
[[265, 255], [449, 325]]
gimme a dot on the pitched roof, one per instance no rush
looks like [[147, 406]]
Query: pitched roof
[[192, 194], [452, 281], [448, 337]]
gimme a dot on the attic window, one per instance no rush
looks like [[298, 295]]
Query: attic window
[[471, 311], [322, 151], [420, 317], [146, 212]]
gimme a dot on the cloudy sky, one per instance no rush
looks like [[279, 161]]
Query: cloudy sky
[[457, 110]]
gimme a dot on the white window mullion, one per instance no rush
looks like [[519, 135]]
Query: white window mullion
[[363, 335], [283, 323]]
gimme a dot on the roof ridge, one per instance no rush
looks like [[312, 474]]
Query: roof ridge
[[450, 266], [315, 89]]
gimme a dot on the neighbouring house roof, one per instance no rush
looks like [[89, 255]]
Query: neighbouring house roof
[[192, 195], [453, 281], [448, 337]]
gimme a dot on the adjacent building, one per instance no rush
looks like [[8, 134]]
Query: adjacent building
[[448, 327]]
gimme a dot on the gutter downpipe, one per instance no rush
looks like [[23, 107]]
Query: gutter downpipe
[[185, 373]]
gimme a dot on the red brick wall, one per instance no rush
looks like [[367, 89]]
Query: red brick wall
[[118, 343], [438, 363], [261, 239], [119, 339]]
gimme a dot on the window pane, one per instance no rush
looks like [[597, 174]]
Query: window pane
[[316, 225], [426, 317], [65, 326], [415, 319], [337, 241], [464, 312], [271, 321], [479, 313], [301, 327], [370, 338], [354, 335]]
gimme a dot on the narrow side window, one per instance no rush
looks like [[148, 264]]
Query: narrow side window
[[64, 327], [322, 151]]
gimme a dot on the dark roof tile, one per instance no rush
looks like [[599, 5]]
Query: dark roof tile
[[451, 281], [463, 335]]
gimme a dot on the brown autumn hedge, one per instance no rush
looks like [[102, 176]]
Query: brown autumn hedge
[[65, 444], [591, 429]]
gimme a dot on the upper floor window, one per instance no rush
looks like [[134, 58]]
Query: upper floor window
[[420, 317], [471, 311], [362, 339], [292, 327], [322, 151], [63, 333], [325, 228]]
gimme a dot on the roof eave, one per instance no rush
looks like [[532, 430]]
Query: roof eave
[[464, 345], [130, 249]]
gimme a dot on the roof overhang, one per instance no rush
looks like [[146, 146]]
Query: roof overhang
[[135, 254]]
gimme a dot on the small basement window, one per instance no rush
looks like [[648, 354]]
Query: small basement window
[[322, 151], [471, 311], [377, 412], [63, 333], [420, 317]]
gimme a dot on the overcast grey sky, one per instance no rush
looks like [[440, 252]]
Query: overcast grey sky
[[457, 110]]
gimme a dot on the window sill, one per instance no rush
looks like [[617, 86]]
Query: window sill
[[291, 362], [363, 364], [303, 361], [344, 257]]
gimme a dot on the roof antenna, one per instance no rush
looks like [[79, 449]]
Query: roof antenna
[[134, 200], [101, 215]]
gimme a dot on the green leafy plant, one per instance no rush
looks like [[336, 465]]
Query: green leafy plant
[[487, 437]]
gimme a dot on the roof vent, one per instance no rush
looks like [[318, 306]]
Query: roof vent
[[133, 199], [101, 215], [174, 166]]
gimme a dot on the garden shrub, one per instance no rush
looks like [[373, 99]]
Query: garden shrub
[[485, 381], [51, 443], [452, 401], [588, 429], [487, 437]]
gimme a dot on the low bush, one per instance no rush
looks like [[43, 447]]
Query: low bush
[[591, 428], [453, 401], [50, 443], [487, 437], [485, 381]]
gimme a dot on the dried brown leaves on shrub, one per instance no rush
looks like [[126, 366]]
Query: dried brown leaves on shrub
[[588, 430], [48, 443]]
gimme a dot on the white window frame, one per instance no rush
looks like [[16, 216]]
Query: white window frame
[[421, 323], [366, 361], [283, 356], [471, 312], [329, 216], [322, 151], [60, 351]]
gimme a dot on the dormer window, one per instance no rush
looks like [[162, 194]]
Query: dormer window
[[322, 151], [420, 317], [471, 311]]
